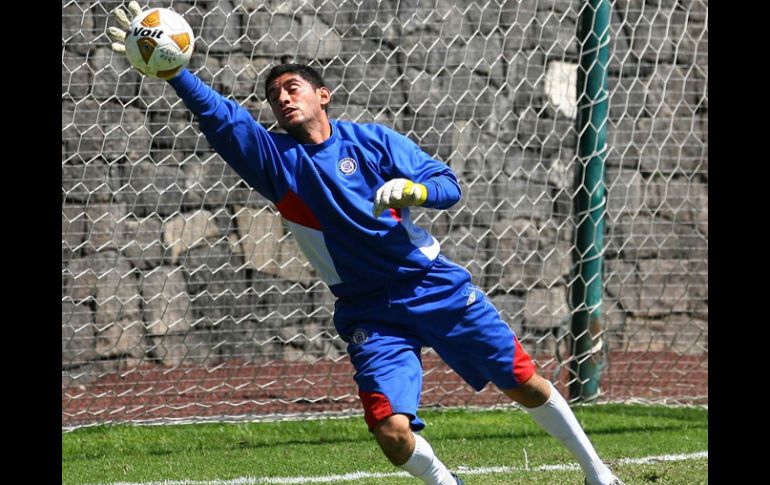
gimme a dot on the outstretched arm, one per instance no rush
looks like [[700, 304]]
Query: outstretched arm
[[230, 129], [233, 133]]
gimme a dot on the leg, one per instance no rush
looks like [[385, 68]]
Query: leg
[[410, 451], [395, 437], [549, 410], [389, 378]]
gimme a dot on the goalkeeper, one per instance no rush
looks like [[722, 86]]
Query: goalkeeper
[[345, 190]]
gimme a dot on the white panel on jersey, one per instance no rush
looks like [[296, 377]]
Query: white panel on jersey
[[418, 236], [312, 243]]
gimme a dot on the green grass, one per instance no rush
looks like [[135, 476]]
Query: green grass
[[108, 454]]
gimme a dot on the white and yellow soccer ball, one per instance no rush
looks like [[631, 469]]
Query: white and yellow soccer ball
[[158, 42]]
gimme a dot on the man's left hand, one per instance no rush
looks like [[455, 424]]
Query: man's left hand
[[398, 193]]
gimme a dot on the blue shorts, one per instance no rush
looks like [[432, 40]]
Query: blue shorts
[[386, 330]]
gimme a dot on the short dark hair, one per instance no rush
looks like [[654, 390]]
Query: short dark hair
[[305, 72]]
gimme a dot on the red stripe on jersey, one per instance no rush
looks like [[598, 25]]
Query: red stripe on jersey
[[523, 367], [376, 407], [294, 209], [396, 214]]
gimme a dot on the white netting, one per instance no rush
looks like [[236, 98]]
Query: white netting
[[185, 296]]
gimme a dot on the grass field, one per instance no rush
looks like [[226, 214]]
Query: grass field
[[490, 447]]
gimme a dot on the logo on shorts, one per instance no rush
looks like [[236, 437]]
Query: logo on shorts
[[347, 166], [360, 336], [470, 291]]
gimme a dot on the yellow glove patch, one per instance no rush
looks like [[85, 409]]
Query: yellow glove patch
[[418, 191]]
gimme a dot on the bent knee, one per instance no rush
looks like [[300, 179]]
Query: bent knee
[[394, 435], [393, 430], [532, 393]]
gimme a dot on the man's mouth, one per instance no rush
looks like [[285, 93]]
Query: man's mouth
[[287, 111]]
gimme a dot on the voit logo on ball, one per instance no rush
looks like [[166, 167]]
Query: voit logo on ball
[[159, 43], [347, 166]]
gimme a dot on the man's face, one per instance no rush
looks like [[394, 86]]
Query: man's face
[[295, 102]]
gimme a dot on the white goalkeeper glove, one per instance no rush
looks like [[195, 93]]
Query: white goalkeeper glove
[[118, 36], [399, 193]]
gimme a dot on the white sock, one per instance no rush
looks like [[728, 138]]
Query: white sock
[[556, 417], [424, 465]]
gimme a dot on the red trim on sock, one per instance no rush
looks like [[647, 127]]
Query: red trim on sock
[[376, 407], [523, 367]]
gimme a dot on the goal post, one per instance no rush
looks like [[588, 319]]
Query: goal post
[[185, 296]]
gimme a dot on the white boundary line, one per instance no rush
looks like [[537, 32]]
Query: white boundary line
[[347, 477]]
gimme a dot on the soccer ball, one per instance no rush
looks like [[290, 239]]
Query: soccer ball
[[158, 42]]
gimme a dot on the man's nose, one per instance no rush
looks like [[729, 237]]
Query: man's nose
[[283, 98]]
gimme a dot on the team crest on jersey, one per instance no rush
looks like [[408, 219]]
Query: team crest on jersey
[[347, 166], [360, 336]]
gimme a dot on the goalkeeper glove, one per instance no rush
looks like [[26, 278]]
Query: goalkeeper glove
[[398, 193], [118, 36]]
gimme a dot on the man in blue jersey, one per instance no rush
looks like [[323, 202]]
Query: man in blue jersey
[[345, 190]]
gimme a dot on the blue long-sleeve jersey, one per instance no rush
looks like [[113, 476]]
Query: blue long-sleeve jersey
[[325, 191]]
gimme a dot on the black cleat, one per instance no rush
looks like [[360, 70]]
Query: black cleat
[[458, 479]]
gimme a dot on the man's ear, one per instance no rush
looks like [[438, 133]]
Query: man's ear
[[325, 96]]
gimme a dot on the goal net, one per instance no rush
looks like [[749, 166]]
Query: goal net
[[185, 297]]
